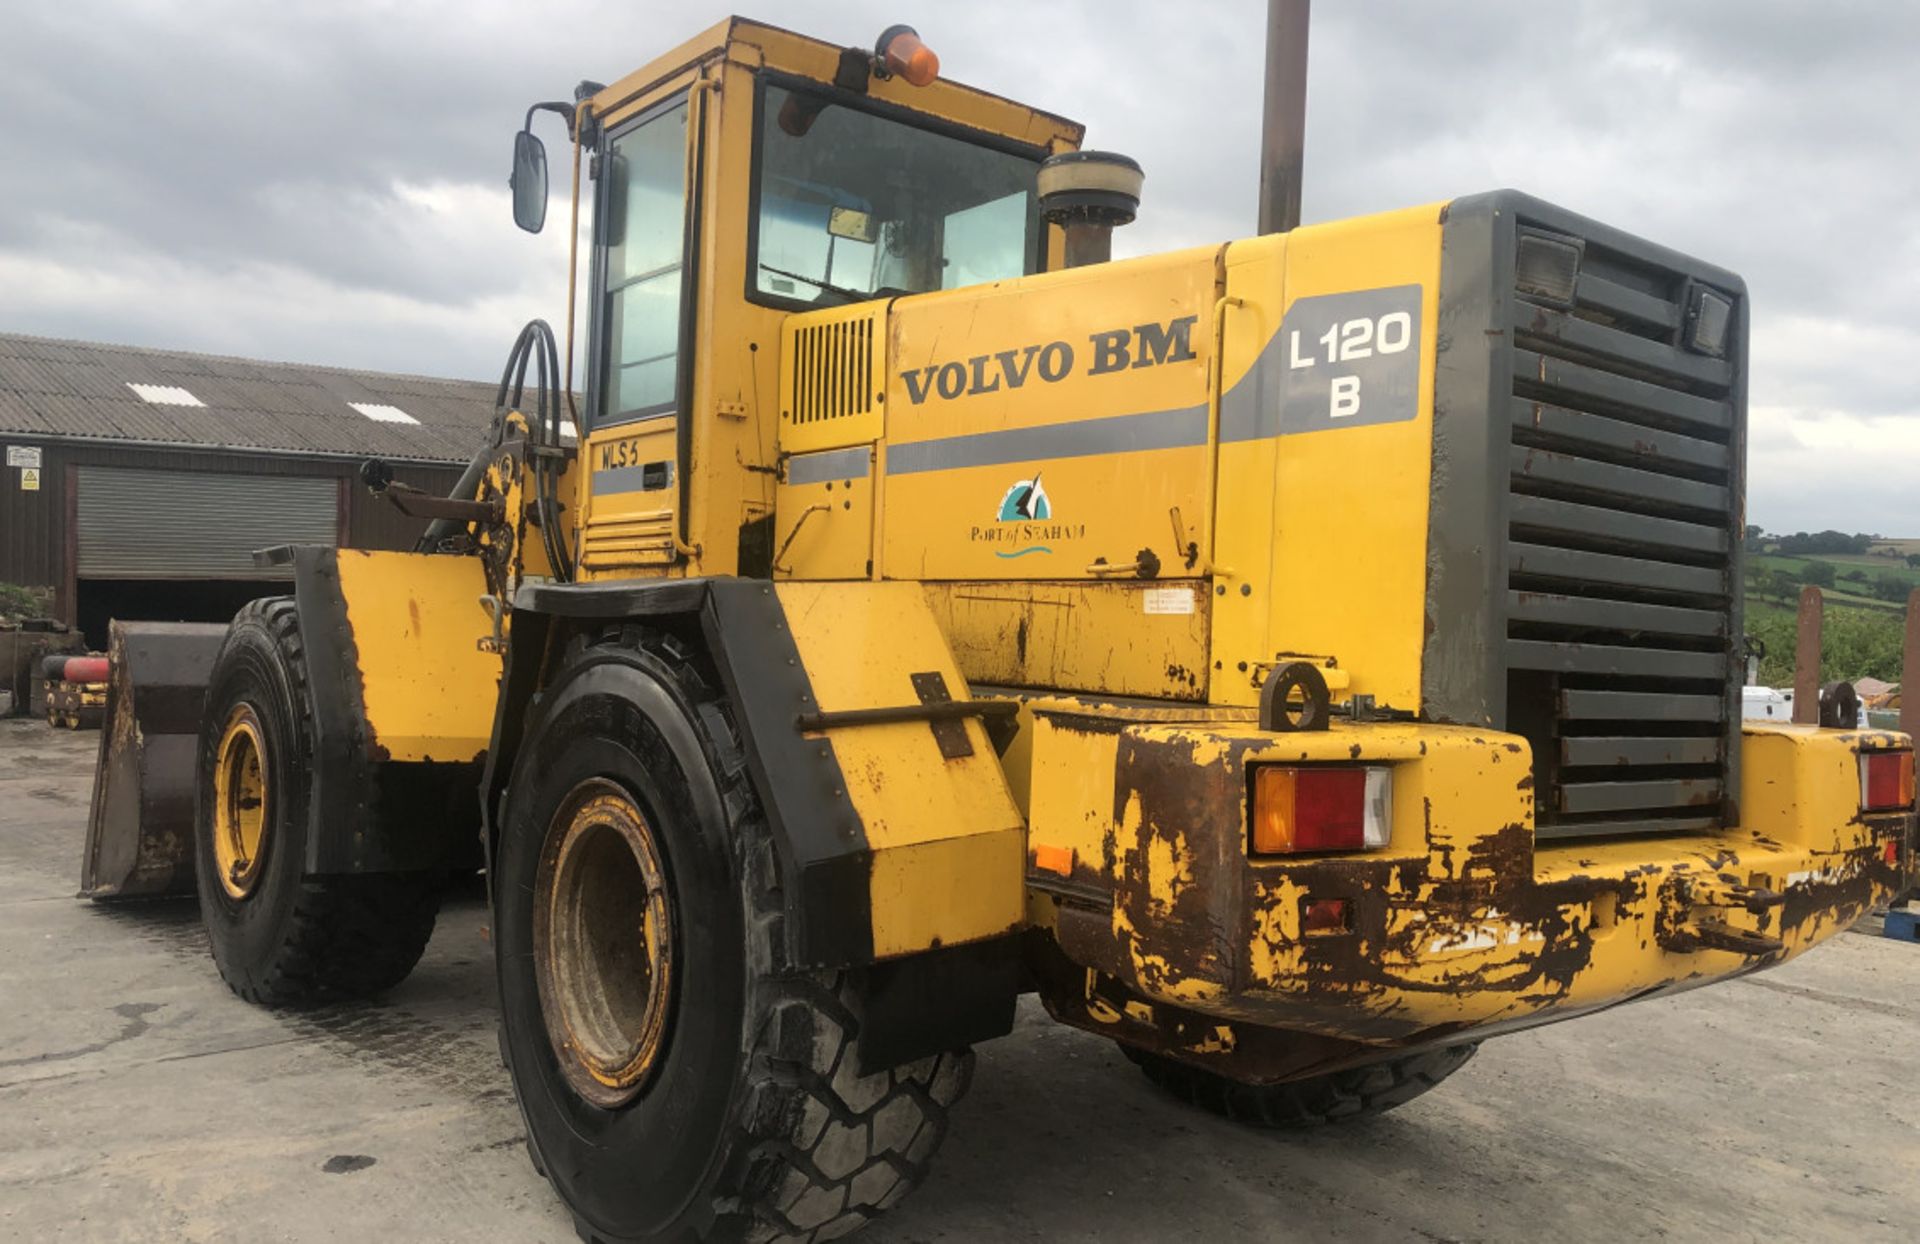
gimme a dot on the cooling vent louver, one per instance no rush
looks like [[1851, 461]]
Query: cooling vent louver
[[1621, 581]]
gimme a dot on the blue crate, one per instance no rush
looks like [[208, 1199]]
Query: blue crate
[[1904, 925]]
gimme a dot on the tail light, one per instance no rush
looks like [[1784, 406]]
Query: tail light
[[1296, 811], [1886, 781]]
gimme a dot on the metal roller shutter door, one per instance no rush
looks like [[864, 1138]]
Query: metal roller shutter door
[[135, 524]]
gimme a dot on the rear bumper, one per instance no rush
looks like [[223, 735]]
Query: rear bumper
[[1463, 927]]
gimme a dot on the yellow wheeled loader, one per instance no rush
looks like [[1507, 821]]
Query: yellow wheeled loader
[[1296, 659]]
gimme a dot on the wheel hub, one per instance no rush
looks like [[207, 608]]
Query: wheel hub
[[603, 942], [240, 802]]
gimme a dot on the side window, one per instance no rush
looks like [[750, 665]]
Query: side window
[[643, 244], [988, 242]]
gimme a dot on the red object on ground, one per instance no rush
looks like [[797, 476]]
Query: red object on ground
[[85, 669]]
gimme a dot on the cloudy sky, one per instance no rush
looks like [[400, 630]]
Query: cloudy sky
[[325, 182]]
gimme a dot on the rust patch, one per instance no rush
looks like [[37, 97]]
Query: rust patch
[[1178, 925], [1196, 931], [1097, 1002], [1174, 912]]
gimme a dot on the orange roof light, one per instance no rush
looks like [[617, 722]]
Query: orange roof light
[[901, 52]]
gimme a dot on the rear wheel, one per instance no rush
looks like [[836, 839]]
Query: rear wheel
[[1337, 1097], [278, 937], [679, 1078]]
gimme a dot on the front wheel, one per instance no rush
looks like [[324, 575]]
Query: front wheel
[[680, 1080], [281, 938], [1336, 1097]]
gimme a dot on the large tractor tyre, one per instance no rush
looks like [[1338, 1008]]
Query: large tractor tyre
[[1337, 1097], [281, 938], [680, 1080]]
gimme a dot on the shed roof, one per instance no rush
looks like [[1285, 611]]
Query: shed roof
[[88, 391]]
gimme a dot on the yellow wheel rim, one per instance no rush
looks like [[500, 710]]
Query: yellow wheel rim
[[603, 942], [240, 802]]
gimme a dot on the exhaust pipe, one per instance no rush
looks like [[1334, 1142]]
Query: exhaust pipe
[[1283, 134]]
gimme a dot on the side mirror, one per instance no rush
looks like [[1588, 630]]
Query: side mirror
[[529, 182]]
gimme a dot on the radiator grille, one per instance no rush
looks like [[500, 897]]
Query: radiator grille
[[1623, 519], [832, 371]]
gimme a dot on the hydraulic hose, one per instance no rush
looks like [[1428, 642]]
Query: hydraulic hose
[[534, 345]]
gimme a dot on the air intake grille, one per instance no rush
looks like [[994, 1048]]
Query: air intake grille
[[833, 366], [1623, 516]]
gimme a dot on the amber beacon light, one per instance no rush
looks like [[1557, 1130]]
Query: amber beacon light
[[899, 51]]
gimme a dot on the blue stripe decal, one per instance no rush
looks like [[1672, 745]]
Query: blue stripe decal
[[1114, 434]]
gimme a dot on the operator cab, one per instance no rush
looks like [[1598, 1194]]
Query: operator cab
[[748, 175]]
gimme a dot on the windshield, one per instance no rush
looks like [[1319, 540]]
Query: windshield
[[854, 205]]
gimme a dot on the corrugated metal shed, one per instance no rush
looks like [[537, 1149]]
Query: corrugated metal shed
[[203, 426], [83, 390]]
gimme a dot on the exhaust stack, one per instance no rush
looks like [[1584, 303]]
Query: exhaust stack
[[1283, 134], [1090, 194]]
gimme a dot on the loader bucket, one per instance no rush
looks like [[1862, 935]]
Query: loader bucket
[[140, 829]]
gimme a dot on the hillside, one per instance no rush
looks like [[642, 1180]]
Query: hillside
[[1866, 581]]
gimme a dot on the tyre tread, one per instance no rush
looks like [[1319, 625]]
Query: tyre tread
[[1336, 1097], [348, 936], [805, 1034]]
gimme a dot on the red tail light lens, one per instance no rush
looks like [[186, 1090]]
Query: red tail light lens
[[1296, 811], [1886, 781], [1319, 916]]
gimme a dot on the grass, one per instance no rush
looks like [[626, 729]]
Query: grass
[[1854, 642], [1863, 633]]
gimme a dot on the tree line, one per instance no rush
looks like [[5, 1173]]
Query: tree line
[[1784, 585], [1803, 543]]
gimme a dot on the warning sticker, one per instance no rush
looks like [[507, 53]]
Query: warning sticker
[[1167, 600], [29, 479]]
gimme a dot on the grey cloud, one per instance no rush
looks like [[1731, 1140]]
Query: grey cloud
[[325, 182]]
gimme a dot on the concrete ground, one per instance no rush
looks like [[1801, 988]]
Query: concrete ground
[[139, 1100]]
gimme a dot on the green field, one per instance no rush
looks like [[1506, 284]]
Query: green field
[[1863, 631], [1854, 643], [1845, 590]]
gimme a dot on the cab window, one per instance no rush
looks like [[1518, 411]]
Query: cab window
[[642, 250], [851, 204]]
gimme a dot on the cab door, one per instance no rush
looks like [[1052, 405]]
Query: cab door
[[640, 344]]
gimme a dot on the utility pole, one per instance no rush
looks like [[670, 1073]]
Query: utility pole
[[1283, 136]]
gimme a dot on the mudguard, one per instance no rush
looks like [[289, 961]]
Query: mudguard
[[403, 703], [875, 767]]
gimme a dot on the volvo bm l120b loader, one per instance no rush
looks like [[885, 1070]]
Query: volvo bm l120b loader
[[1297, 659]]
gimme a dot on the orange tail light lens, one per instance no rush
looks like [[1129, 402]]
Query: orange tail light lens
[[1886, 781], [1298, 811], [911, 59]]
